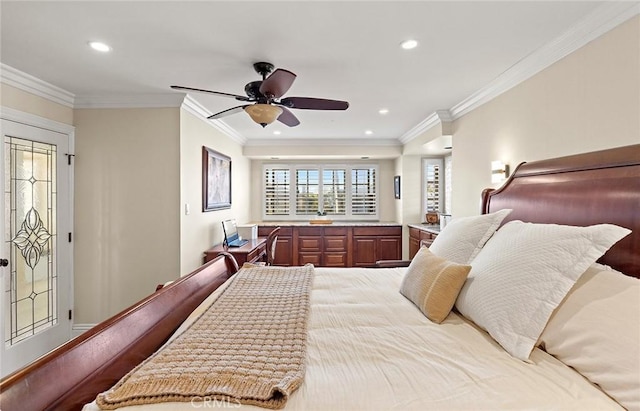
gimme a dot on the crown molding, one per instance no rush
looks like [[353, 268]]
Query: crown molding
[[600, 21], [192, 106], [439, 117], [597, 23], [420, 128], [26, 82], [292, 142], [159, 100]]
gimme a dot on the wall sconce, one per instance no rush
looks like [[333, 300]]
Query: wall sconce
[[499, 171]]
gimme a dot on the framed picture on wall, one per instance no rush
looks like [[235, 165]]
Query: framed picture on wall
[[396, 186], [216, 180]]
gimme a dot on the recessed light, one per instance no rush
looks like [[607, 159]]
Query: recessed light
[[383, 111], [409, 44], [368, 132], [277, 132], [99, 46]]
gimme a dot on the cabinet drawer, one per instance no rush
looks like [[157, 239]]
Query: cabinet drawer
[[335, 243], [309, 258], [264, 230], [310, 243], [377, 230], [311, 231], [341, 231], [256, 254], [425, 235], [335, 259]]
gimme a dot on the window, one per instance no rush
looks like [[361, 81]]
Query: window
[[447, 184], [432, 185], [307, 190], [300, 191], [277, 191], [363, 191], [334, 191]]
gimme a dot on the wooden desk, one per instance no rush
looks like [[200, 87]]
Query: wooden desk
[[254, 250]]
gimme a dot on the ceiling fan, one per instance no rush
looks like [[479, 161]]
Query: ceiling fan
[[265, 95]]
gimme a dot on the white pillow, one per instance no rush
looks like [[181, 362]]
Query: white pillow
[[524, 272], [462, 239], [596, 331]]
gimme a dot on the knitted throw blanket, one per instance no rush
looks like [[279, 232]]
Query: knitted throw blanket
[[248, 347]]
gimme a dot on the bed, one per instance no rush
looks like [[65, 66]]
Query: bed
[[370, 347]]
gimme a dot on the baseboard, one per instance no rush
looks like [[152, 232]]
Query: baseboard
[[78, 329]]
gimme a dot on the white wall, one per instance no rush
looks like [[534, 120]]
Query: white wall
[[590, 100], [30, 103], [200, 230], [127, 182]]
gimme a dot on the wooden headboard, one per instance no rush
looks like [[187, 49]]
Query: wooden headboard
[[580, 190]]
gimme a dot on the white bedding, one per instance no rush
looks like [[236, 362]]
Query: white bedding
[[370, 348]]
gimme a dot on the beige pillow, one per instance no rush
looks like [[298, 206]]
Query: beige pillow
[[596, 330], [433, 283]]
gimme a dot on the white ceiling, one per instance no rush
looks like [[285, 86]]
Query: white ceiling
[[339, 50]]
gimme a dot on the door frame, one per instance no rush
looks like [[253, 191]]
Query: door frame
[[67, 130]]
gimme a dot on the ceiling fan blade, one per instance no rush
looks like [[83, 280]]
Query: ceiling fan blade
[[287, 118], [277, 83], [311, 103], [217, 93], [228, 112]]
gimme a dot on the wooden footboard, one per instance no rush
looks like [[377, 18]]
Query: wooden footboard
[[73, 374]]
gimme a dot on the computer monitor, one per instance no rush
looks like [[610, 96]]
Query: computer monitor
[[231, 237], [230, 231]]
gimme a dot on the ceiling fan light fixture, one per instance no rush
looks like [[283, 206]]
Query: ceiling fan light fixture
[[263, 114]]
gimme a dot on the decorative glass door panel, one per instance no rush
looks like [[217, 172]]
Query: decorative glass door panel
[[30, 185]]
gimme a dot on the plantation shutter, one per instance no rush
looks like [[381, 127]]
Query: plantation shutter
[[277, 191], [433, 184], [334, 193], [307, 189], [363, 191]]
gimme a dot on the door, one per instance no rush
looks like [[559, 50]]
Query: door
[[36, 251]]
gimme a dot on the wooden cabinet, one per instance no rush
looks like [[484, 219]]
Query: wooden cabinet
[[309, 245], [336, 245], [323, 246], [371, 244], [414, 241], [420, 236], [284, 245]]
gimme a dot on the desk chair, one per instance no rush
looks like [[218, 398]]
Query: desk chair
[[272, 240]]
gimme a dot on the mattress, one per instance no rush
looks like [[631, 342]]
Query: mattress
[[370, 348]]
